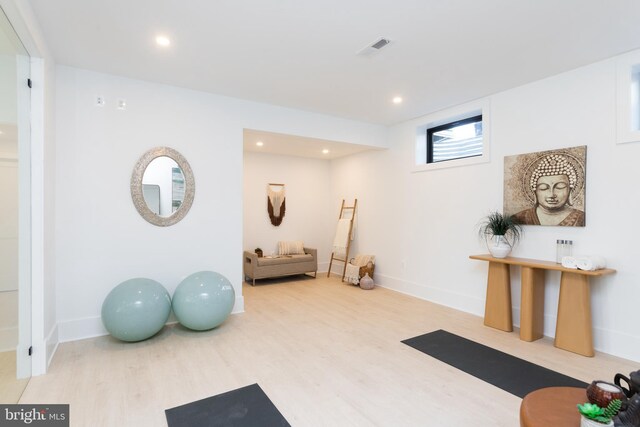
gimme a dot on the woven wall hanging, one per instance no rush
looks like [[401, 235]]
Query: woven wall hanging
[[276, 203]]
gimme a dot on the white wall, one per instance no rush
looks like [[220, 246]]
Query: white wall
[[8, 320], [422, 226], [43, 105], [309, 214], [8, 254], [8, 92], [8, 225], [102, 241]]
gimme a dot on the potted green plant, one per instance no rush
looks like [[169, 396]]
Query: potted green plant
[[594, 416], [501, 233], [259, 252]]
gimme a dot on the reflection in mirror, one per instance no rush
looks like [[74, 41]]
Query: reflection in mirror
[[177, 189], [151, 195], [162, 186]]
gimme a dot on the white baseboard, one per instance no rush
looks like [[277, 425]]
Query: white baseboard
[[323, 267], [440, 296], [625, 345], [238, 307], [79, 329], [605, 340], [90, 327], [8, 338], [51, 344]]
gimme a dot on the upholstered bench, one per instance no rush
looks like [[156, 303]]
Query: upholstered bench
[[282, 265]]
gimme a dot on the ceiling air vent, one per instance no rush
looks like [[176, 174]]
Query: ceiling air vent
[[380, 44], [374, 47]]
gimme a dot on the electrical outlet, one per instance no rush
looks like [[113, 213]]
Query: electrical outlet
[[122, 104], [100, 101]]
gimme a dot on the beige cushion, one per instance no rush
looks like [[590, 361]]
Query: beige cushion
[[291, 248], [287, 259]]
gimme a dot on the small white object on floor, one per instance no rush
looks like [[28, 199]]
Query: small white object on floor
[[352, 274]]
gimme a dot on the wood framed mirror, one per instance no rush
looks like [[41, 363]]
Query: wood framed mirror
[[162, 186]]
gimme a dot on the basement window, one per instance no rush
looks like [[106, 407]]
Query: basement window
[[457, 136], [455, 140]]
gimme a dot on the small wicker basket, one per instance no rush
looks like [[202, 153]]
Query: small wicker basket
[[367, 269]]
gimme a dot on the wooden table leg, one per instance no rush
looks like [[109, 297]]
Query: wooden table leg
[[532, 304], [497, 309], [573, 327]]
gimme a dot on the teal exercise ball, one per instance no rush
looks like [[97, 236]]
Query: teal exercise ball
[[203, 300], [136, 309]]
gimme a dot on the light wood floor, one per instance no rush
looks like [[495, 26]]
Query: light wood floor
[[326, 353], [10, 387]]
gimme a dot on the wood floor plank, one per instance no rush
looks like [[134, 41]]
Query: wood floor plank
[[10, 387], [326, 353]]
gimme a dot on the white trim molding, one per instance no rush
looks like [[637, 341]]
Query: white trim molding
[[51, 345], [8, 338], [628, 98], [90, 327]]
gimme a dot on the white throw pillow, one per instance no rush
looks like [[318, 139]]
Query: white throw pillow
[[291, 248]]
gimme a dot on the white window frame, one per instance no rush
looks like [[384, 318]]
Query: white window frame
[[628, 98], [460, 112]]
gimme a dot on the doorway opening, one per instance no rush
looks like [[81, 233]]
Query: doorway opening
[[15, 215]]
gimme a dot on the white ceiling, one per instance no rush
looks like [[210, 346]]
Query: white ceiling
[[300, 146], [9, 42], [302, 53]]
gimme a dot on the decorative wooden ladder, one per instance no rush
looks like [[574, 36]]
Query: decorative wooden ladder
[[344, 211]]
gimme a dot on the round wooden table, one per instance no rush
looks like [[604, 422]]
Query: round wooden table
[[552, 406]]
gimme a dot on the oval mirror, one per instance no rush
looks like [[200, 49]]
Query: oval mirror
[[162, 186]]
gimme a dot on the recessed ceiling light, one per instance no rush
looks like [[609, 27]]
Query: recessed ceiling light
[[163, 41], [397, 100], [259, 143], [325, 151]]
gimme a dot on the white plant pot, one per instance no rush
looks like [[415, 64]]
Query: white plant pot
[[586, 422], [499, 247]]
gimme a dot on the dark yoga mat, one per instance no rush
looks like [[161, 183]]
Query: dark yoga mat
[[244, 407], [517, 376]]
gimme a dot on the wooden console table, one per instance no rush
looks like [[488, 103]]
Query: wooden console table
[[573, 325]]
